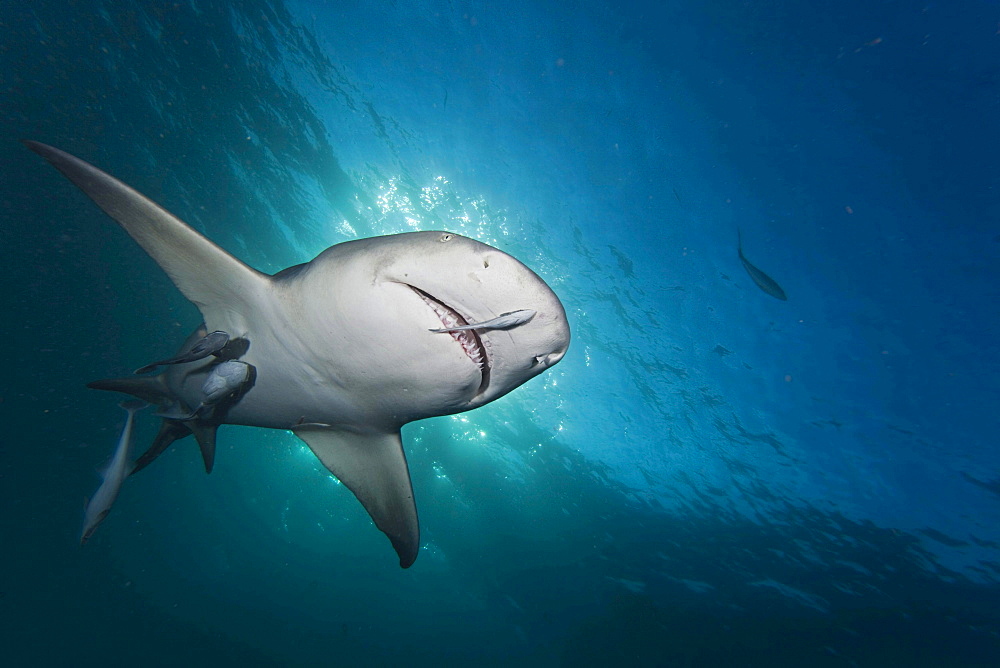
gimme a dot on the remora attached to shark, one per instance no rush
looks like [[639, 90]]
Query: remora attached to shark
[[340, 345], [114, 474]]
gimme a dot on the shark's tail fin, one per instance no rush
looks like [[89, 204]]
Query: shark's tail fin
[[153, 389], [150, 389], [170, 431], [174, 430]]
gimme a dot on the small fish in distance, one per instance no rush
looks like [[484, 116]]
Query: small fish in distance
[[763, 281]]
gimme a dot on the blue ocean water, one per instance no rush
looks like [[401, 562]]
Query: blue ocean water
[[711, 477]]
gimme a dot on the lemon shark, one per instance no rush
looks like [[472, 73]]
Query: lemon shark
[[343, 346]]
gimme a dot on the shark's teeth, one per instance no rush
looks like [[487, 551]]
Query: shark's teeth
[[450, 318]]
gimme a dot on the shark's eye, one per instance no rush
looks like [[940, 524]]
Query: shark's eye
[[446, 237]]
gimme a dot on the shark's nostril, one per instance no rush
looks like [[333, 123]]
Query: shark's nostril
[[549, 360]]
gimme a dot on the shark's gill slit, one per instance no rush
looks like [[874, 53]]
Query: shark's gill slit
[[470, 340]]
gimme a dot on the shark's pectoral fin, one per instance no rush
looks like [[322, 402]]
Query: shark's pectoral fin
[[170, 431], [373, 466], [210, 277]]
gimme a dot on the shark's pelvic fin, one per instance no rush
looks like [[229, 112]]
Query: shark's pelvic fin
[[373, 466], [207, 275], [204, 433]]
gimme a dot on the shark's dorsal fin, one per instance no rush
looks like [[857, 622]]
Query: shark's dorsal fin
[[373, 466], [211, 278]]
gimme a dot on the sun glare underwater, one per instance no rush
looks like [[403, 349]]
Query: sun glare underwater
[[774, 231]]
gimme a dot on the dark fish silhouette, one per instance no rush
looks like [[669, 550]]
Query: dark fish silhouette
[[763, 281]]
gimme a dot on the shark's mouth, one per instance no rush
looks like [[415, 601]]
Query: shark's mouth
[[470, 341]]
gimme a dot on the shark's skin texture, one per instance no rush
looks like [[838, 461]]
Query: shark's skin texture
[[99, 505], [340, 345]]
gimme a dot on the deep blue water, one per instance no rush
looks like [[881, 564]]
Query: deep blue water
[[712, 477]]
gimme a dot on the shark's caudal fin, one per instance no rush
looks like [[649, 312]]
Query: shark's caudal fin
[[153, 389], [210, 277], [170, 431], [372, 465], [173, 430]]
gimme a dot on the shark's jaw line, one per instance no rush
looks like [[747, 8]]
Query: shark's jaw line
[[470, 340]]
